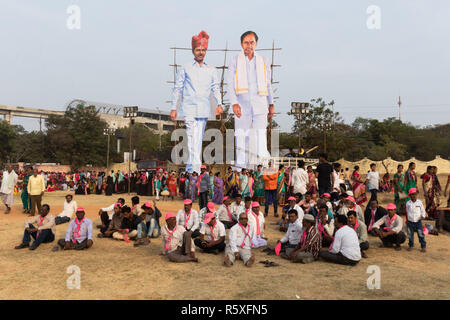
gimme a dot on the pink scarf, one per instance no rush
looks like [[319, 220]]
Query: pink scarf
[[246, 234], [212, 231], [356, 225], [198, 183], [39, 224], [169, 238], [229, 214], [372, 220], [77, 232], [186, 218], [258, 229], [389, 222]]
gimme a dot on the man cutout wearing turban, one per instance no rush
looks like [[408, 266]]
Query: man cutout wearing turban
[[195, 82]]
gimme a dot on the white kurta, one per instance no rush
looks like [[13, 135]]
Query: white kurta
[[7, 189]]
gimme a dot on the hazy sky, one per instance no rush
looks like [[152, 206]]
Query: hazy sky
[[121, 53]]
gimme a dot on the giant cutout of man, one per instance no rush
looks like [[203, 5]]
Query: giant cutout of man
[[195, 82], [251, 95]]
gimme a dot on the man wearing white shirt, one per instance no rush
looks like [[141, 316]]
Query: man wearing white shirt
[[300, 178], [345, 247], [293, 234], [257, 222], [196, 81], [251, 95], [240, 243], [70, 207], [415, 211], [214, 231], [188, 218], [210, 207], [224, 213], [237, 206], [7, 189], [373, 181], [336, 187], [349, 205]]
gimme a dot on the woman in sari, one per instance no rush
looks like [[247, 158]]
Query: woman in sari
[[172, 185], [232, 180], [182, 186], [258, 185], [312, 182], [193, 186], [243, 184], [211, 185], [400, 194], [219, 188], [359, 188], [431, 188], [281, 185], [251, 182], [410, 180]]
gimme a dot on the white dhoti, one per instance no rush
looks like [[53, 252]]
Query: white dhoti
[[251, 140], [7, 198], [194, 131], [259, 242], [245, 254]]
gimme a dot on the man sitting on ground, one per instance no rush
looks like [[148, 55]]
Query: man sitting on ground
[[106, 214], [240, 243], [215, 235], [394, 232], [307, 250], [128, 228], [373, 213], [78, 234], [135, 207], [114, 225], [361, 231], [237, 206], [307, 204], [325, 225], [257, 222], [345, 247], [293, 233], [44, 232], [292, 204], [224, 213], [350, 204], [188, 218], [177, 244], [210, 207], [70, 207]]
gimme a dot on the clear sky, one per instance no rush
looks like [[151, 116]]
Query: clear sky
[[121, 52]]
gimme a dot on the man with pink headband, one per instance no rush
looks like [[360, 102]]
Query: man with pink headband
[[225, 214], [195, 82], [257, 222], [78, 234], [188, 218], [177, 244], [214, 231], [114, 225], [415, 211], [393, 232]]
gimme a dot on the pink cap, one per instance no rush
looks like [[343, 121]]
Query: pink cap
[[187, 201], [350, 198], [80, 209], [412, 190], [211, 206], [225, 198], [118, 204], [202, 166], [255, 204], [391, 206], [170, 215], [326, 194], [208, 217], [291, 198], [148, 204]]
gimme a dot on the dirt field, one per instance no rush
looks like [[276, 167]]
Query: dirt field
[[116, 270]]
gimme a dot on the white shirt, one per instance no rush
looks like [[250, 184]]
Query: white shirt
[[300, 213], [218, 231], [373, 178], [252, 222], [69, 209], [7, 189], [176, 239], [202, 213], [359, 213], [293, 233], [236, 209], [299, 180], [223, 213], [336, 185], [192, 222], [346, 242], [237, 235], [110, 211], [415, 210]]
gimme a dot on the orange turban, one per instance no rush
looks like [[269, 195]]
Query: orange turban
[[201, 40]]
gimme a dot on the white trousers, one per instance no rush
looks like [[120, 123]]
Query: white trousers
[[251, 140], [245, 254], [259, 242], [194, 131]]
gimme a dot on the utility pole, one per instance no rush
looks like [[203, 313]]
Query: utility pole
[[297, 109], [399, 105], [324, 127], [131, 113], [159, 128]]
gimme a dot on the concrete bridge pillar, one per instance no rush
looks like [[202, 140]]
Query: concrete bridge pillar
[[9, 117]]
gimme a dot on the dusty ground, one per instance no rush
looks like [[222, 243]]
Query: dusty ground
[[117, 270]]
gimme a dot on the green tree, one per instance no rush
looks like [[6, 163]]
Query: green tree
[[7, 141]]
